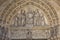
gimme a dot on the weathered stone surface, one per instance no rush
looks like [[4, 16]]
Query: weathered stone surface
[[10, 12]]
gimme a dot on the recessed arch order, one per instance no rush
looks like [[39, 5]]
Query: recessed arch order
[[10, 11]]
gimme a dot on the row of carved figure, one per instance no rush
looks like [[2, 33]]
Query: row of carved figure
[[33, 18]]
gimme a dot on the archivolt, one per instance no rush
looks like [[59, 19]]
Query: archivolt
[[10, 11]]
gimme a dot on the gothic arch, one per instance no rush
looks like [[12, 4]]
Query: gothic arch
[[48, 10], [14, 6]]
